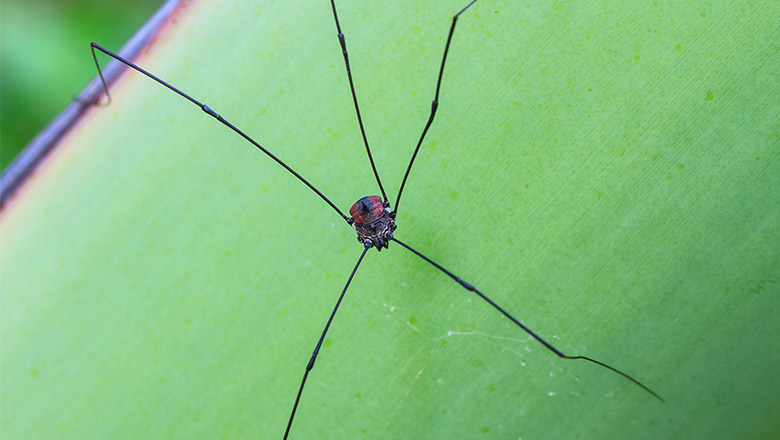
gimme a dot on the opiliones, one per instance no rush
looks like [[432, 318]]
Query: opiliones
[[372, 217]]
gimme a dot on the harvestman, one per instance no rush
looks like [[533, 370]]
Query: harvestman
[[371, 216]]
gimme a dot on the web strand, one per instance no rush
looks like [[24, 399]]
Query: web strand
[[549, 346]]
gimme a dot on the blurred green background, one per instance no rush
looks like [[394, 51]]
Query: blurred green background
[[45, 59]]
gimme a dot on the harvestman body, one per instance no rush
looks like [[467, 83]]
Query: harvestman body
[[371, 216]]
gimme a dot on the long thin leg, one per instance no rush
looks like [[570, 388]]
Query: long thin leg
[[210, 112], [468, 286], [343, 42], [434, 104], [310, 365]]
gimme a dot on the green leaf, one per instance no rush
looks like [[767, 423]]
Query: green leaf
[[608, 173]]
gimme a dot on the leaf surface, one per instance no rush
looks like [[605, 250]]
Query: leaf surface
[[608, 173]]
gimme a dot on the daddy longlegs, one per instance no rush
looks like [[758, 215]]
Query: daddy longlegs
[[372, 217]]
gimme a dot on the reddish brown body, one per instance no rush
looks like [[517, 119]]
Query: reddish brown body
[[367, 209], [373, 221]]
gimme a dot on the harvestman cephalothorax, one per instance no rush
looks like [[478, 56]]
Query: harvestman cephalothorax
[[372, 217]]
